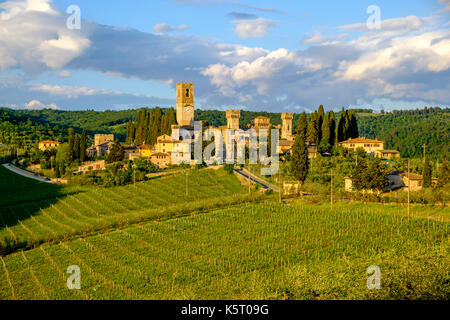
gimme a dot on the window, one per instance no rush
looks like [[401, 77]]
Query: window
[[187, 93]]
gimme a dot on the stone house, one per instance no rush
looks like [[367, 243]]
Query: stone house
[[48, 145]]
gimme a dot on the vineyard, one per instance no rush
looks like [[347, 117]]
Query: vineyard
[[254, 251], [49, 213]]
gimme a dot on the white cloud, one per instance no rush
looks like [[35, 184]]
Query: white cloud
[[64, 74], [257, 28], [316, 38], [164, 28], [37, 105], [446, 4], [34, 36], [72, 91]]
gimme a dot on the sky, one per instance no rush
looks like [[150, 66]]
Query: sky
[[277, 56]]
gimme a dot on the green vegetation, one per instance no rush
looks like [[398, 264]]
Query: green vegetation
[[35, 213], [407, 131], [265, 251]]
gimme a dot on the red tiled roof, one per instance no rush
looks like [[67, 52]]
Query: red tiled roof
[[360, 140]]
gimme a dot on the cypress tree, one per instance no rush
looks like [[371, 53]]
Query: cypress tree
[[312, 135], [76, 147], [427, 172], [325, 132], [302, 126], [139, 136], [354, 131], [321, 115], [347, 128], [129, 139], [83, 144], [341, 127], [70, 155], [443, 174], [300, 160], [171, 115], [332, 123]]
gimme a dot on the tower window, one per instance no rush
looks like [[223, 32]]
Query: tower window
[[187, 93]]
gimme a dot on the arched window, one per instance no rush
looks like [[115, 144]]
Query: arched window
[[187, 93]]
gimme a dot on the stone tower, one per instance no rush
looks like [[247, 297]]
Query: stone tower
[[185, 104], [286, 128], [233, 117]]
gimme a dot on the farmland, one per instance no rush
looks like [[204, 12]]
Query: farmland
[[33, 213], [255, 251]]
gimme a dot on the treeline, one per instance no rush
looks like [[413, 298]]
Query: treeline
[[323, 131], [150, 124], [408, 131]]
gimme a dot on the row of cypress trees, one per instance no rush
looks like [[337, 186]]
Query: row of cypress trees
[[150, 125]]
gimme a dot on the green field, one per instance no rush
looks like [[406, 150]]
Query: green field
[[154, 242], [49, 213]]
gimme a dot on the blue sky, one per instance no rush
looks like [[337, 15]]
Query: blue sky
[[255, 55]]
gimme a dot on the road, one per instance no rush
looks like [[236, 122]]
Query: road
[[254, 179], [26, 173]]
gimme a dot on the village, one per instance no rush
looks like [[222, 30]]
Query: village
[[178, 148]]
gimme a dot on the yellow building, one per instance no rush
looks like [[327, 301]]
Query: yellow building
[[261, 123], [387, 154], [370, 146], [165, 144], [48, 145], [145, 151]]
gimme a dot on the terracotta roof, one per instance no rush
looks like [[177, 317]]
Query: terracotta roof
[[286, 143], [390, 151], [146, 147], [361, 140], [159, 154], [411, 176], [49, 141]]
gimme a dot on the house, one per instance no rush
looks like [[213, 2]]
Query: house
[[387, 154], [102, 145], [369, 145], [145, 150], [165, 144], [284, 146], [131, 151], [261, 123], [92, 166], [414, 181], [162, 160], [48, 145]]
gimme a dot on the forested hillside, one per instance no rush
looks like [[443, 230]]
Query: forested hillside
[[406, 131]]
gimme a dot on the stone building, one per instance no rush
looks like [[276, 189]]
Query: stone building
[[286, 127], [48, 145], [91, 166], [387, 154], [261, 123], [369, 145], [233, 117], [103, 138], [185, 104]]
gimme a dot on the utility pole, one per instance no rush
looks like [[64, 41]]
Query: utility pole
[[409, 189], [187, 183], [134, 174], [424, 152], [332, 190], [281, 184], [356, 160]]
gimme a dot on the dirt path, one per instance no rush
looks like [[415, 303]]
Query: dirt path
[[26, 173]]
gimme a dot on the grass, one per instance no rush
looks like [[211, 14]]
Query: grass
[[263, 251], [48, 213]]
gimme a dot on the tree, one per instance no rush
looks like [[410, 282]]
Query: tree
[[320, 118], [302, 126], [427, 172], [312, 135], [139, 134], [83, 144], [130, 133], [354, 132], [70, 152], [300, 160], [116, 153], [326, 133], [443, 174], [76, 148], [332, 124], [369, 174]]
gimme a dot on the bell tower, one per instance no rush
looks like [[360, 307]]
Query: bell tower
[[286, 128], [185, 104], [233, 117]]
